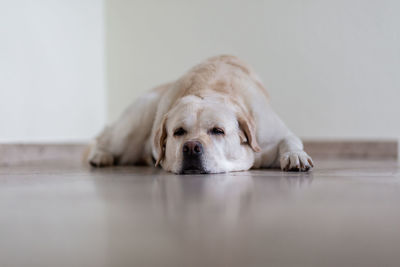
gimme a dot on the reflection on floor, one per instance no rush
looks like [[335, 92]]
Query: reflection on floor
[[343, 213]]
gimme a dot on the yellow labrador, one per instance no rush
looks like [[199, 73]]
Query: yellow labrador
[[215, 118]]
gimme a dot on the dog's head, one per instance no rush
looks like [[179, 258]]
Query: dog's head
[[205, 135]]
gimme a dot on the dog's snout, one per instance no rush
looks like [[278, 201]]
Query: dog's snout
[[192, 148], [192, 161]]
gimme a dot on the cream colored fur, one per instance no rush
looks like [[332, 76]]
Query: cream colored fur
[[221, 92]]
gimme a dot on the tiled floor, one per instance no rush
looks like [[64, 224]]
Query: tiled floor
[[344, 213]]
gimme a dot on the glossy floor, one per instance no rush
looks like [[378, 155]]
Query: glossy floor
[[344, 213]]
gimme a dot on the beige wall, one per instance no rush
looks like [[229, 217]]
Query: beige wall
[[332, 67]]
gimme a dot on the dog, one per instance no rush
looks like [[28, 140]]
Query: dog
[[216, 118]]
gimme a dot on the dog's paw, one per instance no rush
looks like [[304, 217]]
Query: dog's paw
[[100, 158], [296, 161]]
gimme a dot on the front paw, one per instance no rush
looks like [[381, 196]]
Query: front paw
[[296, 161], [100, 158]]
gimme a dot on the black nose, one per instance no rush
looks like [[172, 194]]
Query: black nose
[[192, 148]]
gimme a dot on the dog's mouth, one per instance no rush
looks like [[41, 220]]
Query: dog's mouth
[[193, 170], [193, 165]]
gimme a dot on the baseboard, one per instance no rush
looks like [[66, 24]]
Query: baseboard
[[353, 149], [11, 154]]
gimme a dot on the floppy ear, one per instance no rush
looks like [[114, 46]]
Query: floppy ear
[[248, 126], [159, 140]]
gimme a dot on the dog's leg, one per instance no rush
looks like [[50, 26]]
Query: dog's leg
[[292, 156], [280, 148], [126, 140], [98, 157]]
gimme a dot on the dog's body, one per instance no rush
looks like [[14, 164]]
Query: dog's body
[[216, 118]]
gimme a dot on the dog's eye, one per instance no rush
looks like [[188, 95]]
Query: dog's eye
[[217, 131], [179, 132]]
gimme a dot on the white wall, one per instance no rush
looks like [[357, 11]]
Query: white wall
[[52, 85], [332, 67]]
